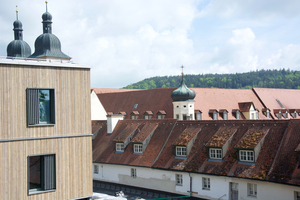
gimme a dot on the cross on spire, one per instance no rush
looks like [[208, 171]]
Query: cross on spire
[[17, 12], [182, 72], [46, 6]]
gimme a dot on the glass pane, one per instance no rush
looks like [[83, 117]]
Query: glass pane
[[35, 172], [44, 105]]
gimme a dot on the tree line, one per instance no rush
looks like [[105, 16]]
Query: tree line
[[281, 78]]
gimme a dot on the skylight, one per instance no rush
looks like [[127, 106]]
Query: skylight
[[135, 106]]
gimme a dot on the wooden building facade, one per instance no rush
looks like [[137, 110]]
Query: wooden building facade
[[45, 134]]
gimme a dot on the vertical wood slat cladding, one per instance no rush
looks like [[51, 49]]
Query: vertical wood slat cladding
[[73, 177], [72, 107], [72, 111]]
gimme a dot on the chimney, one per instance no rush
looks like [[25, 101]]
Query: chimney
[[112, 120]]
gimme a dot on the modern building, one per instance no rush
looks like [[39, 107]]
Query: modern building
[[45, 135]]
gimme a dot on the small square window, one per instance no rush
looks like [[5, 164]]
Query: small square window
[[133, 172], [120, 147], [215, 116], [179, 180], [42, 173], [180, 151], [96, 169], [206, 183], [40, 106], [177, 116], [252, 190], [247, 156], [138, 148], [215, 153]]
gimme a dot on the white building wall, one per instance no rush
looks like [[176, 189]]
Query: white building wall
[[97, 110], [164, 180], [183, 107]]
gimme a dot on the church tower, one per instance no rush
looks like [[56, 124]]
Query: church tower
[[18, 47], [47, 45], [183, 102]]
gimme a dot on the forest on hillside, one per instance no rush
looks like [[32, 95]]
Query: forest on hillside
[[282, 78]]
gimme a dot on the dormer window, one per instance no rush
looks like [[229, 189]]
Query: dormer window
[[138, 148], [215, 116], [293, 113], [215, 153], [181, 151], [213, 113], [148, 115], [198, 115], [246, 155], [119, 147], [134, 115], [250, 144], [161, 114], [223, 114]]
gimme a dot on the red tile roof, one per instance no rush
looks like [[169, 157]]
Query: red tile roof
[[187, 135], [144, 133], [252, 137], [277, 160], [245, 106], [152, 99], [220, 138], [111, 90], [126, 132]]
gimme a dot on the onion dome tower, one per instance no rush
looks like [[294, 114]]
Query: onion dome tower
[[183, 102], [47, 45], [18, 47]]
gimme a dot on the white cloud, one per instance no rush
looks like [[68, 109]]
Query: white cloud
[[127, 41]]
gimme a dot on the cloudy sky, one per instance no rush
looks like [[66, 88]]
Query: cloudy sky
[[125, 41]]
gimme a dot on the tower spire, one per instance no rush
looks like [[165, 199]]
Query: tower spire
[[182, 73], [17, 12], [46, 6]]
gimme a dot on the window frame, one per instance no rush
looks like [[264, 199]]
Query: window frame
[[297, 195], [96, 169], [178, 179], [205, 183], [252, 189], [33, 107], [133, 173], [137, 148], [180, 152], [241, 157], [43, 175], [120, 147], [215, 153]]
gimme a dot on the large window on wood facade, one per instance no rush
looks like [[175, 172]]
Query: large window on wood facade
[[40, 106], [42, 173]]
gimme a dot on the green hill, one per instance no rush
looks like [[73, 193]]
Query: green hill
[[264, 78]]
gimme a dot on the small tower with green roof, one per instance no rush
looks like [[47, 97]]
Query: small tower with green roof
[[183, 102]]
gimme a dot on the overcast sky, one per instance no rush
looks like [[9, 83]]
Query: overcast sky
[[126, 41]]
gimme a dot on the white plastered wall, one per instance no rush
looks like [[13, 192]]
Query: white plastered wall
[[183, 107], [164, 180], [97, 110]]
